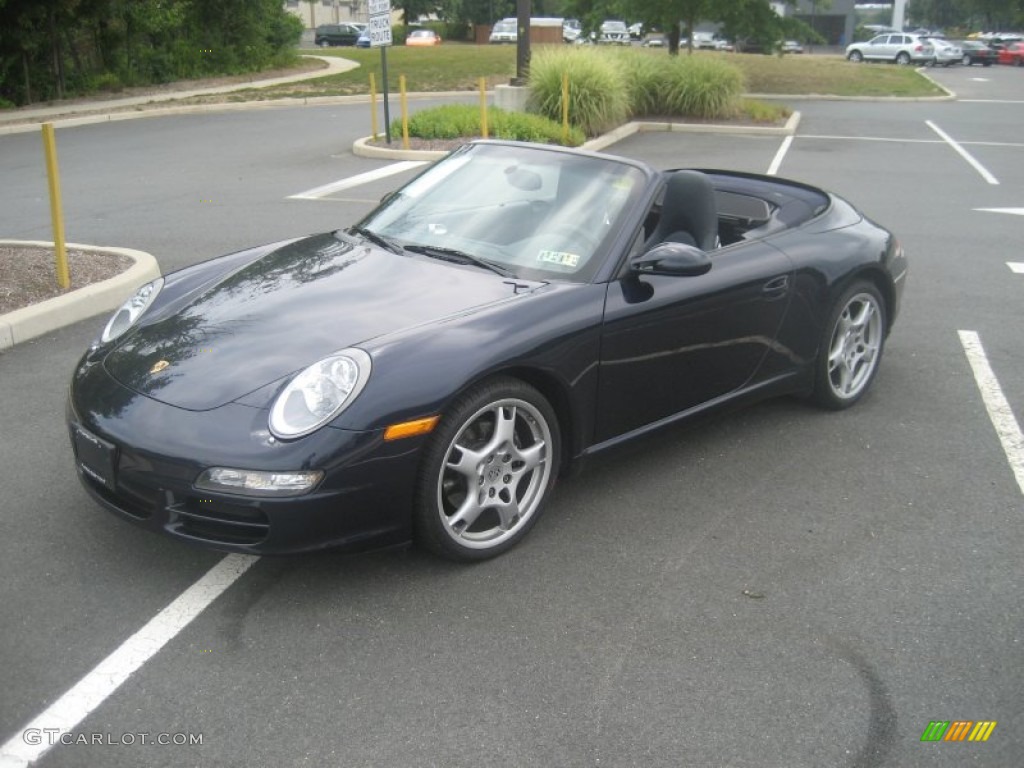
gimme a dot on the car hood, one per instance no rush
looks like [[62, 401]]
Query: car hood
[[287, 309]]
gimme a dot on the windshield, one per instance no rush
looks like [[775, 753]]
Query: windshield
[[614, 26], [538, 214], [505, 27]]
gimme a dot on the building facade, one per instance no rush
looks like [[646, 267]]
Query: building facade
[[835, 23], [313, 14]]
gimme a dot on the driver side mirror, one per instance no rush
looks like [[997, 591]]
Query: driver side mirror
[[674, 259]]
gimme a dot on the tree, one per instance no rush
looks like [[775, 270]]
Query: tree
[[754, 24], [52, 47], [675, 15]]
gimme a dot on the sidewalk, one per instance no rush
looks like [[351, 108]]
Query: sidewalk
[[22, 120]]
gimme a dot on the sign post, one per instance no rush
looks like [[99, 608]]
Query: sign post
[[380, 37]]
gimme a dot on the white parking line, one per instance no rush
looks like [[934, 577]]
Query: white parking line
[[891, 140], [963, 153], [1016, 266], [988, 101], [107, 676], [1012, 211], [777, 160], [998, 408], [828, 137], [354, 181]]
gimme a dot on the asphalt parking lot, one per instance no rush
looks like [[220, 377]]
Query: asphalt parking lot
[[776, 587]]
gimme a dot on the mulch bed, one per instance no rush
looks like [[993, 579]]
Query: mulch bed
[[28, 274]]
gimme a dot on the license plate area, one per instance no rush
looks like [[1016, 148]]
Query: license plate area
[[96, 457]]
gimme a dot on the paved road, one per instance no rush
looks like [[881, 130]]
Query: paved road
[[780, 587]]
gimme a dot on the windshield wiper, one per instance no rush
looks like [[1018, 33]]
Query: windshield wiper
[[376, 239], [459, 257]]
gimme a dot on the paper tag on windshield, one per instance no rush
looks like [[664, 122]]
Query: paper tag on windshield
[[562, 258]]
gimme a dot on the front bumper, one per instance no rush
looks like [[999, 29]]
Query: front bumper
[[139, 459]]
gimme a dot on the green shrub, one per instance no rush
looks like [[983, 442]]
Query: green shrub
[[107, 81], [701, 86], [598, 97], [455, 30], [454, 121]]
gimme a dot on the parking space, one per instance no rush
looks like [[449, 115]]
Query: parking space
[[777, 587]]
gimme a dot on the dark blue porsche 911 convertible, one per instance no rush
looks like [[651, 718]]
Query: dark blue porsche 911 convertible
[[429, 372]]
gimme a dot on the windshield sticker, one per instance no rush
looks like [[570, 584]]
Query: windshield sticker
[[559, 257]]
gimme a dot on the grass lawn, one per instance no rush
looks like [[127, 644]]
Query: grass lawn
[[458, 67], [833, 75]]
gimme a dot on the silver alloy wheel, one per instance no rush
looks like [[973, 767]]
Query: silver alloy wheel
[[494, 474], [855, 56], [903, 59], [855, 347]]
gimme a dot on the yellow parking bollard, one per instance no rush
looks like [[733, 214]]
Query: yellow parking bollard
[[405, 113], [483, 107], [373, 105], [565, 109], [56, 212]]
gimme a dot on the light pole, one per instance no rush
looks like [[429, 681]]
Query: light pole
[[898, 14], [522, 42]]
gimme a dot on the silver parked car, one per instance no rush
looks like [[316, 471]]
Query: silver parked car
[[505, 31], [900, 47], [614, 33], [946, 53], [571, 30]]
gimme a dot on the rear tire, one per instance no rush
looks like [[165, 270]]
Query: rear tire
[[966, 61], [903, 59]]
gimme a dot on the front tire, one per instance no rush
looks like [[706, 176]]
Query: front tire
[[851, 347], [856, 57], [966, 61], [487, 471]]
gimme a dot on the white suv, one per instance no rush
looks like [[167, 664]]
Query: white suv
[[900, 47]]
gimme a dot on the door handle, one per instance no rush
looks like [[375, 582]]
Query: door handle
[[776, 287]]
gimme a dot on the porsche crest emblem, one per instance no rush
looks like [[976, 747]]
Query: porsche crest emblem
[[158, 366]]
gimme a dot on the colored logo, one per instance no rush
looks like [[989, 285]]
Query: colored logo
[[958, 730]]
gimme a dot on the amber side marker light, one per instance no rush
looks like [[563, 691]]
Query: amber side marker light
[[410, 428]]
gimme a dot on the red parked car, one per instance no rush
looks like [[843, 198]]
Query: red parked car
[[1012, 54]]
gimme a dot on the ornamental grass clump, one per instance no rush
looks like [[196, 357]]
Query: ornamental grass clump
[[644, 73], [701, 87], [598, 98]]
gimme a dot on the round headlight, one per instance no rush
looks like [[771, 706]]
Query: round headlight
[[131, 310], [319, 393]]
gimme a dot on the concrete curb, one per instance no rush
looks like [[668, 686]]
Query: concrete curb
[[642, 126], [28, 323], [362, 147]]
